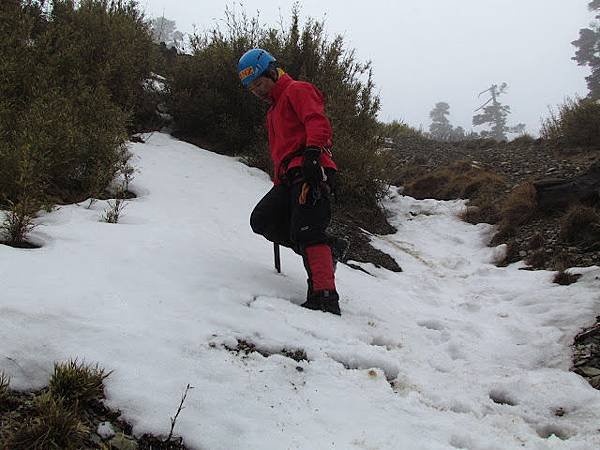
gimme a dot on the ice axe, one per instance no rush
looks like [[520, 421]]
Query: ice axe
[[277, 257]]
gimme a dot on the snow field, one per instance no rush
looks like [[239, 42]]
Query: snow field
[[454, 352]]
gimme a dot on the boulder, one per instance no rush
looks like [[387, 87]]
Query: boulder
[[557, 194]]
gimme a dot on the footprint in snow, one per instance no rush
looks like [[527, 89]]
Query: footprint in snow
[[432, 325]]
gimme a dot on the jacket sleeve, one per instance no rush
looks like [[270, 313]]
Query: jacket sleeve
[[308, 104]]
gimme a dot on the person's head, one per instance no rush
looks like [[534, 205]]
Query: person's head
[[258, 72]]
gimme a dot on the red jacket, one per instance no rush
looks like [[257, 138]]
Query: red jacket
[[296, 119]]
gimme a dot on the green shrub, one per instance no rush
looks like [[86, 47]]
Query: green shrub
[[524, 139], [17, 224], [72, 79], [52, 425], [77, 383], [576, 124], [100, 43], [397, 131], [209, 104]]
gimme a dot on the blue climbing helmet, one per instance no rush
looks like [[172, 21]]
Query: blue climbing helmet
[[253, 64]]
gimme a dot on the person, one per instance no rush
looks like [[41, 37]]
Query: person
[[296, 212]]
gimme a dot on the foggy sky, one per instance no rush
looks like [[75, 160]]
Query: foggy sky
[[426, 51]]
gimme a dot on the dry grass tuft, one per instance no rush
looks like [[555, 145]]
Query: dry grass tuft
[[505, 232], [519, 207], [77, 383], [565, 278], [462, 179], [431, 185], [4, 392], [482, 210], [52, 425], [581, 224], [511, 256], [535, 242], [538, 259]]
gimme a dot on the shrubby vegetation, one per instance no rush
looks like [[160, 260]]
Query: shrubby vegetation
[[395, 131], [576, 123], [72, 82], [210, 106]]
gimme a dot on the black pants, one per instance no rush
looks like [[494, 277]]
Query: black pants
[[281, 218]]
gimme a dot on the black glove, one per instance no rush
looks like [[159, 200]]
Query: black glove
[[311, 167]]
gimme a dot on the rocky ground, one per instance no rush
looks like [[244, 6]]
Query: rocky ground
[[517, 162]]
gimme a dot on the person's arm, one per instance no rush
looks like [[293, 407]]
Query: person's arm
[[309, 106], [307, 102]]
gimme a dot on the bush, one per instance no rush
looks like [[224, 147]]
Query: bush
[[113, 211], [17, 224], [524, 139], [209, 104], [110, 39], [76, 383], [576, 124], [396, 131], [581, 224], [72, 78]]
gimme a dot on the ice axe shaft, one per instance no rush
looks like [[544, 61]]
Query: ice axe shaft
[[277, 257]]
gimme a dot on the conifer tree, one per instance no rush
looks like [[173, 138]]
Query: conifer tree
[[165, 30], [588, 47], [440, 127], [495, 115]]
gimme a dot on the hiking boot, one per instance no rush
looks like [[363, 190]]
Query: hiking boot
[[313, 303], [339, 248], [326, 301]]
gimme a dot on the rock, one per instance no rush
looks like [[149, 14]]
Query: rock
[[591, 372], [122, 442], [557, 194], [522, 253], [105, 430]]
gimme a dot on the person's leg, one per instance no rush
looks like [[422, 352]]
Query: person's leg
[[271, 216], [308, 226]]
